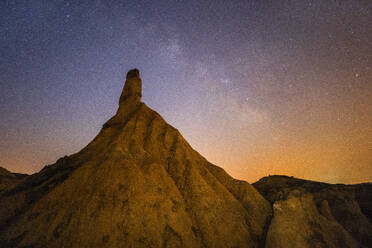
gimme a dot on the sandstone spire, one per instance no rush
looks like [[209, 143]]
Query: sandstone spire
[[130, 98], [132, 90], [137, 184]]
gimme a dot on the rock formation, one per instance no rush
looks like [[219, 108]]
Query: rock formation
[[140, 184], [9, 179], [313, 214], [137, 184]]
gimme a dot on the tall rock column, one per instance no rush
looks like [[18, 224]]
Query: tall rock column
[[132, 90], [130, 99]]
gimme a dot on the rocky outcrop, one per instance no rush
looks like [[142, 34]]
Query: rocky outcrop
[[9, 179], [313, 214], [137, 184]]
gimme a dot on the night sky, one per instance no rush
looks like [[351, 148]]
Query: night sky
[[257, 87]]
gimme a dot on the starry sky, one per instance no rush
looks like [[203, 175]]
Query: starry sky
[[257, 87]]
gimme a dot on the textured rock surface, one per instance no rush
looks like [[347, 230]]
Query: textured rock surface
[[313, 214], [137, 184], [9, 179]]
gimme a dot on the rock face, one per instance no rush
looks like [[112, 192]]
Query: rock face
[[313, 214], [9, 179], [137, 184]]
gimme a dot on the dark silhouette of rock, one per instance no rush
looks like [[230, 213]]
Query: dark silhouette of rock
[[133, 73], [314, 214], [137, 184], [9, 179], [133, 88]]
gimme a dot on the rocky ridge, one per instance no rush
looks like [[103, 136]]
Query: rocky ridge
[[9, 179], [314, 214]]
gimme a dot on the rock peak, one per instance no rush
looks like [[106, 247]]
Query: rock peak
[[129, 100], [132, 90], [133, 73]]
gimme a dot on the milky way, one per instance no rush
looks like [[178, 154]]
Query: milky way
[[257, 87]]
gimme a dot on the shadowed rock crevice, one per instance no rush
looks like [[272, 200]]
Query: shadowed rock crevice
[[171, 238]]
